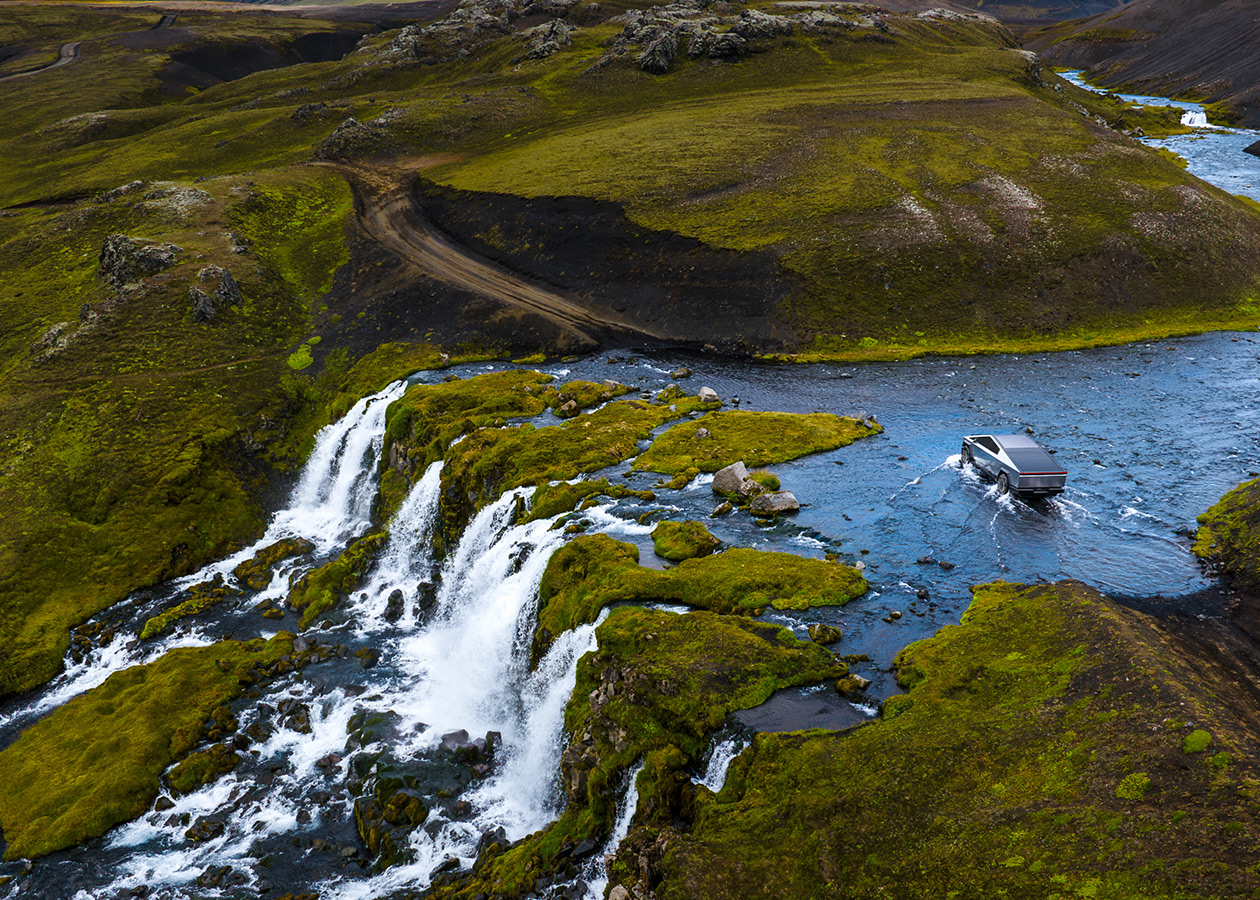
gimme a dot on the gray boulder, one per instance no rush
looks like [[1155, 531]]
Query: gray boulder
[[729, 480], [727, 46], [708, 395], [1253, 149], [544, 40], [773, 504], [754, 24]]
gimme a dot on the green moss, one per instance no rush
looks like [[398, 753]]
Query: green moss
[[1133, 786], [593, 571], [583, 395], [200, 598], [199, 769], [255, 572], [1229, 534], [677, 541], [1196, 741], [564, 496], [96, 761], [300, 358], [1047, 693], [320, 590], [757, 438]]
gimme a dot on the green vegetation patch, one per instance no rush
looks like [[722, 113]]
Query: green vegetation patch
[[595, 570], [677, 541], [1229, 534], [757, 438], [96, 761], [564, 496], [320, 590], [1017, 759], [255, 572], [200, 598]]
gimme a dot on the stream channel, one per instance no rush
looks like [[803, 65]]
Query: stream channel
[[1151, 435]]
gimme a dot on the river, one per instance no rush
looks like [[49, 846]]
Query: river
[[1212, 153], [1151, 435]]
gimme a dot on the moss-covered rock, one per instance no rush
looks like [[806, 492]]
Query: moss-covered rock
[[200, 597], [574, 397], [565, 496], [677, 541], [1229, 534], [96, 761], [320, 590], [1037, 751], [255, 572], [593, 571], [199, 769], [756, 438]]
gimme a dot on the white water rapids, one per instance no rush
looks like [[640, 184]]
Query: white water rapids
[[462, 665]]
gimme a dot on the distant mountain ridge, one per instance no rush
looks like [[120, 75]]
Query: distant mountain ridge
[[1193, 49]]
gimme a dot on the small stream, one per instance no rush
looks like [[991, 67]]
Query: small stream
[[1212, 153], [1151, 435]]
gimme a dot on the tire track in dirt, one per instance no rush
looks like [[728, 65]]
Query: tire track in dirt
[[389, 214]]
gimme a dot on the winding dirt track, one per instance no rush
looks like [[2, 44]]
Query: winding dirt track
[[389, 214], [68, 54]]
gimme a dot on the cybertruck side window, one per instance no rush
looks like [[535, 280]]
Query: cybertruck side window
[[988, 444]]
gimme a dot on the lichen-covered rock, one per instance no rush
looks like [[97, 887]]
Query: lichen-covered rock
[[677, 541], [544, 40], [756, 24], [659, 53], [124, 260], [822, 633], [727, 46]]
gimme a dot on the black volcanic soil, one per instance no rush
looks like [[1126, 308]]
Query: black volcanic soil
[[1200, 49], [672, 286]]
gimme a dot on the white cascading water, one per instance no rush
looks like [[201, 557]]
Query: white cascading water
[[1194, 118], [719, 762], [407, 556], [331, 503], [596, 872]]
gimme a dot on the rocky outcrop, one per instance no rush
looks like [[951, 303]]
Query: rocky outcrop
[[544, 40], [124, 260], [660, 51], [353, 139], [216, 289]]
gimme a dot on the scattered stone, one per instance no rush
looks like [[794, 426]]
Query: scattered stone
[[703, 434], [851, 683], [708, 395], [205, 829], [822, 633], [774, 503], [394, 606], [163, 804], [353, 139], [925, 560], [659, 53], [681, 372], [368, 656], [922, 593], [544, 40], [453, 740], [569, 409], [947, 566], [722, 509]]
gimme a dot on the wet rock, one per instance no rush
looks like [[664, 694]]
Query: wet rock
[[681, 372], [821, 633], [947, 566], [722, 509], [925, 560], [708, 395], [453, 740], [450, 864], [729, 479], [851, 684], [368, 656], [1253, 149], [204, 829], [394, 606], [922, 593], [124, 260], [569, 409], [773, 504], [163, 804]]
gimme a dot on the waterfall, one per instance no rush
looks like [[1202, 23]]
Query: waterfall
[[596, 872], [331, 502], [1195, 118], [719, 761]]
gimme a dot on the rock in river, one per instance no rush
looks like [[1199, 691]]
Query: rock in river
[[775, 503]]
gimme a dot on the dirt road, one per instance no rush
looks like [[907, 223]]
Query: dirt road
[[390, 214], [68, 54]]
